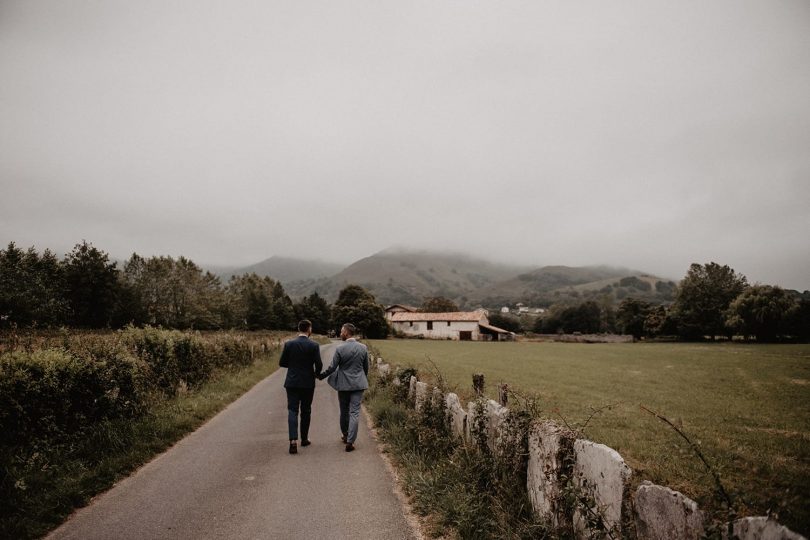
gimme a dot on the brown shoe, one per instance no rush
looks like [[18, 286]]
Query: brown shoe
[[293, 447], [343, 439], [349, 447]]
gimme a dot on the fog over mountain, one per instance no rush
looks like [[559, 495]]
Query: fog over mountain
[[409, 276], [644, 134]]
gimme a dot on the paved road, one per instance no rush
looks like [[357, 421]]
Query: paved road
[[233, 478]]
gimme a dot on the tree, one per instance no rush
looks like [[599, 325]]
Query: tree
[[761, 311], [798, 320], [631, 315], [586, 318], [438, 304], [91, 283], [249, 303], [315, 309], [47, 288], [168, 292], [703, 297], [283, 310], [659, 322], [357, 306], [507, 323], [31, 288]]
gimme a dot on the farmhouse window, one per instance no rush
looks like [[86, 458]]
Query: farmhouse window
[[410, 323], [430, 325], [448, 323]]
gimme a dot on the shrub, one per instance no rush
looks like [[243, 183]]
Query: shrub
[[51, 392], [229, 351], [177, 358]]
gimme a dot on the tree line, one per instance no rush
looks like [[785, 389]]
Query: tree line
[[711, 301], [85, 289]]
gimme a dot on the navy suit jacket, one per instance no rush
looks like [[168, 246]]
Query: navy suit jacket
[[302, 358]]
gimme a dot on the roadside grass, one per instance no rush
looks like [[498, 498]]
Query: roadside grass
[[54, 480], [459, 491], [746, 406]]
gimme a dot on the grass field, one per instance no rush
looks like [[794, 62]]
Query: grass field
[[747, 406]]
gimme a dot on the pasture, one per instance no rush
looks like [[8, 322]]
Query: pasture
[[746, 406]]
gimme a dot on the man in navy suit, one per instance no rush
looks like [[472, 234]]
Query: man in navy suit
[[302, 358]]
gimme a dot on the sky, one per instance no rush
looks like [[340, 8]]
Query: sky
[[644, 134]]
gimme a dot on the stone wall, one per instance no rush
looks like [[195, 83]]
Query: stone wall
[[558, 462]]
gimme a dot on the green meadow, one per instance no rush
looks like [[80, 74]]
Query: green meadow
[[746, 406]]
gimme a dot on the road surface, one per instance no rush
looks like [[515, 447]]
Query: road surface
[[233, 478]]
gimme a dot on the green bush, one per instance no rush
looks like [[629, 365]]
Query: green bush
[[229, 351], [176, 358], [52, 392]]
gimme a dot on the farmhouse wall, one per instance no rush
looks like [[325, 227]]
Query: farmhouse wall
[[440, 330]]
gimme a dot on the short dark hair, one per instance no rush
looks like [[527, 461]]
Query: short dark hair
[[350, 328], [304, 326]]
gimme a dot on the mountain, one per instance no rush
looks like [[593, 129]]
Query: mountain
[[565, 284], [408, 276], [287, 269]]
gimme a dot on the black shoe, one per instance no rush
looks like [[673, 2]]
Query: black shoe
[[305, 442], [343, 439], [349, 447], [293, 448]]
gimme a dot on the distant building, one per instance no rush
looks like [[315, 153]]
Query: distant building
[[398, 308], [505, 309], [457, 325]]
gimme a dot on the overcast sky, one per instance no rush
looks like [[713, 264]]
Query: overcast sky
[[648, 134]]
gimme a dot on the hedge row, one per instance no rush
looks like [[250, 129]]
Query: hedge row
[[50, 393]]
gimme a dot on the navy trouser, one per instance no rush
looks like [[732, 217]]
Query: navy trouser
[[299, 398], [350, 413]]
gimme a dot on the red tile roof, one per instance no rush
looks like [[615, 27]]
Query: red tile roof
[[458, 316]]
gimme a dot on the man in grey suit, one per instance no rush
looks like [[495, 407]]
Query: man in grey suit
[[348, 374]]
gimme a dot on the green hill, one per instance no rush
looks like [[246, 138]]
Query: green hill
[[408, 276], [288, 269], [564, 284]]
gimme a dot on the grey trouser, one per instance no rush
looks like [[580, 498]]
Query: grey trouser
[[350, 413]]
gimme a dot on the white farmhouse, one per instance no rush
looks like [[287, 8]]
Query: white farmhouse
[[457, 325]]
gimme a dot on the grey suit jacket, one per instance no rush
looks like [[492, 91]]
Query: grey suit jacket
[[349, 368]]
